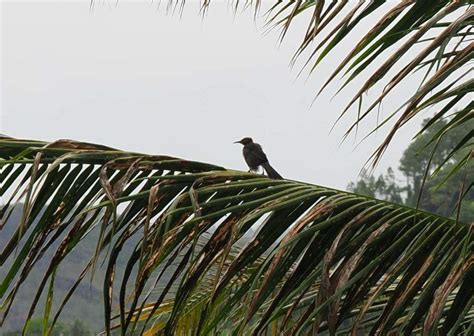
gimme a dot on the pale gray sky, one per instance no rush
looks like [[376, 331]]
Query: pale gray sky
[[134, 77]]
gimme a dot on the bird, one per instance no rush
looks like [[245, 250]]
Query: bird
[[255, 157]]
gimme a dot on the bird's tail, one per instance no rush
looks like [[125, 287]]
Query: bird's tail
[[272, 173]]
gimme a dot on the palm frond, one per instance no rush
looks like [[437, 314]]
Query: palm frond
[[218, 249]]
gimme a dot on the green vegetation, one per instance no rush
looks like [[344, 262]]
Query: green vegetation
[[77, 328], [441, 191], [318, 253]]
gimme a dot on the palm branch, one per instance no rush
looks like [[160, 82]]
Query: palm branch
[[223, 251]]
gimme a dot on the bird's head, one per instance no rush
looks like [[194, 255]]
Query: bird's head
[[245, 141]]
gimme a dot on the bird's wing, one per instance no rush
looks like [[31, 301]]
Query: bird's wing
[[254, 156], [250, 159], [258, 152]]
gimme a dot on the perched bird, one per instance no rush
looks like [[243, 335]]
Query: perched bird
[[255, 157]]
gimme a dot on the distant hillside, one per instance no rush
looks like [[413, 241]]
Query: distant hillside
[[86, 305], [87, 302]]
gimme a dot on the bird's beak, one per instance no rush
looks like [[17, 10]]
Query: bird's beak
[[237, 142]]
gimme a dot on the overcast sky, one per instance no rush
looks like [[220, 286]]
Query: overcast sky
[[134, 77]]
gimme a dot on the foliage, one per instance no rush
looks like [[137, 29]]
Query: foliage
[[320, 259], [443, 182], [77, 328], [384, 187], [440, 162], [444, 200]]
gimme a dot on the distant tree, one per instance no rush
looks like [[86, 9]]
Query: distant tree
[[422, 157], [78, 328], [442, 198], [384, 187], [442, 188], [416, 157], [35, 328], [11, 333]]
